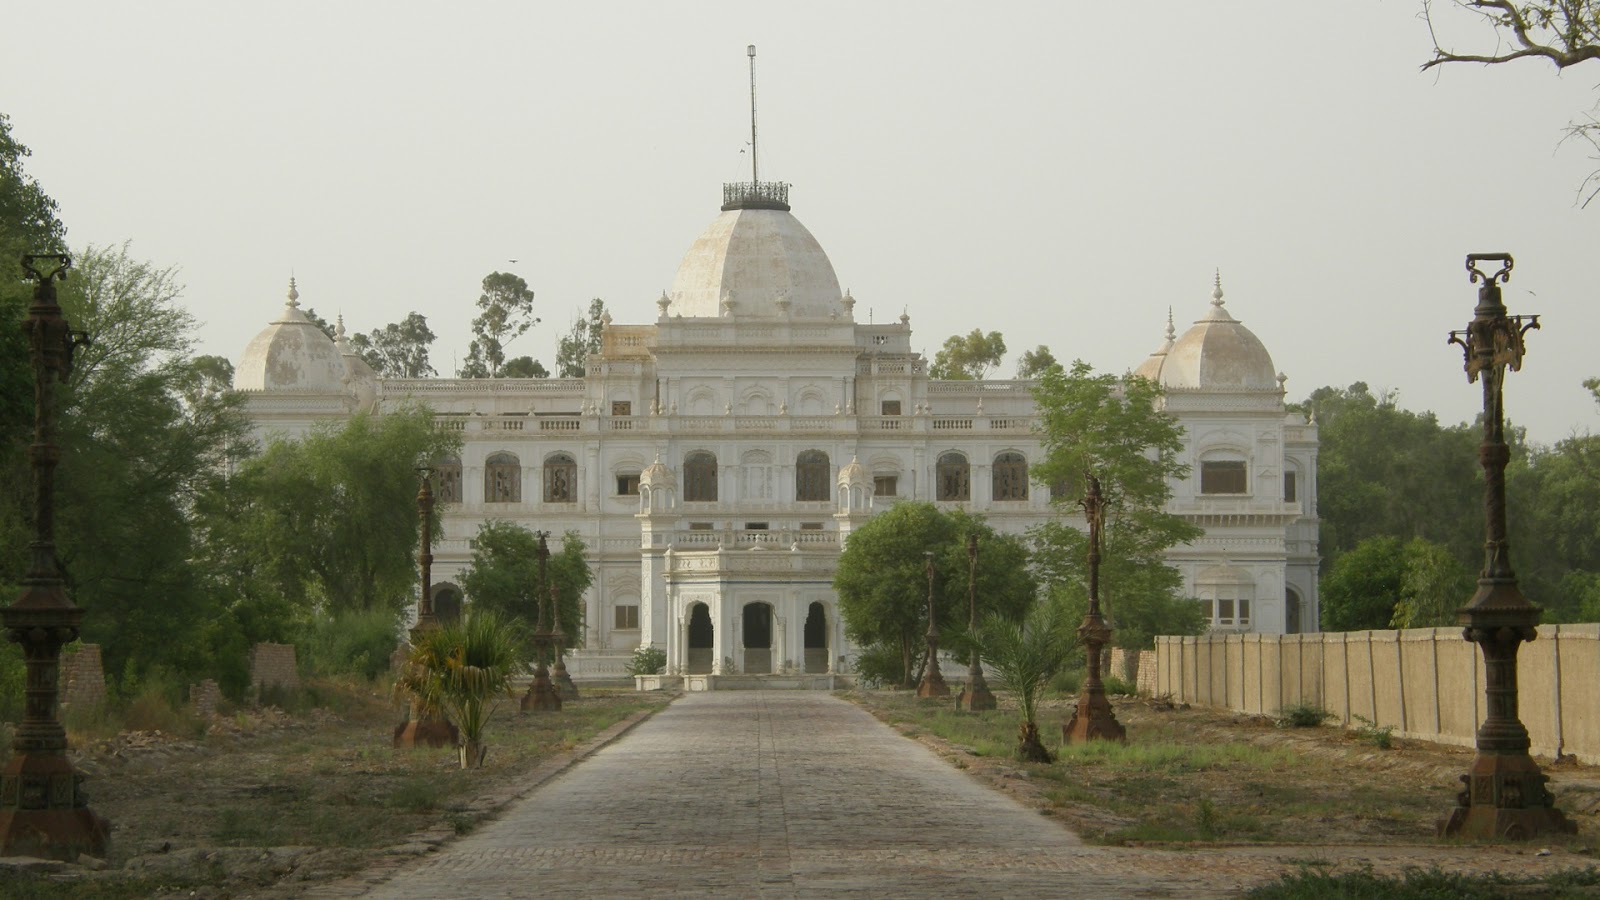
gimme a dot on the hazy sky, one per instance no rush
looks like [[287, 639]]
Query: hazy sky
[[1056, 171]]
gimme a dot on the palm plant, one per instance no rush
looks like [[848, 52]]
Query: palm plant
[[462, 669], [1026, 654]]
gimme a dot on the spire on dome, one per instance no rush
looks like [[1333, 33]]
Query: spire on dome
[[755, 193], [338, 328], [1172, 331], [294, 294], [1216, 291]]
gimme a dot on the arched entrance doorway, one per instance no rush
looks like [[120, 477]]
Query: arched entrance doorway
[[446, 602], [1291, 611], [700, 634], [816, 639], [757, 639]]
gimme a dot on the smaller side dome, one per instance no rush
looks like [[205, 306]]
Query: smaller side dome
[[1218, 353], [359, 377], [1151, 367], [853, 474], [291, 354], [656, 474]]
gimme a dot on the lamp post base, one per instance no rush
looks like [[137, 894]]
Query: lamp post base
[[1094, 720], [1504, 799], [542, 695], [425, 732], [975, 696], [563, 681], [45, 813]]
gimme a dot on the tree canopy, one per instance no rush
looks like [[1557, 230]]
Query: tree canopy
[[399, 349], [505, 313], [1034, 362], [583, 341], [329, 520], [1115, 430], [504, 577], [968, 357], [883, 585]]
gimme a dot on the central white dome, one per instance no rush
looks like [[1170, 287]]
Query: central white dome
[[761, 261]]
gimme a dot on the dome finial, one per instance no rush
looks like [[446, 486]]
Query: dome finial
[[338, 328], [1172, 331], [1216, 291], [294, 294]]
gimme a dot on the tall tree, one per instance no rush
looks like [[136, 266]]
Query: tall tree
[[968, 357], [883, 587], [523, 367], [505, 313], [140, 443], [504, 576], [399, 349], [583, 341], [1115, 430], [1562, 32], [329, 520], [1034, 362], [1383, 470], [28, 221]]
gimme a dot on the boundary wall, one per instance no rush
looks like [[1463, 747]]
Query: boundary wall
[[1425, 682]]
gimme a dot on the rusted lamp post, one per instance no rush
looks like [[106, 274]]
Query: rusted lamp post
[[932, 679], [424, 726], [1094, 719], [1505, 795], [44, 811], [559, 676], [976, 696], [542, 695]]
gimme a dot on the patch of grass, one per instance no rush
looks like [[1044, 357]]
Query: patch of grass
[[1172, 756], [1423, 884], [416, 794], [43, 887]]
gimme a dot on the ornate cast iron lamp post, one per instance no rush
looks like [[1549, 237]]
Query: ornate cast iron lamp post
[[559, 676], [542, 695], [932, 679], [1094, 719], [1505, 795], [44, 811], [424, 726], [975, 696]]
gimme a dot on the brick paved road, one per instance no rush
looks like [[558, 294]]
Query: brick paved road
[[758, 793]]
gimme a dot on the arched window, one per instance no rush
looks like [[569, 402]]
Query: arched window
[[560, 478], [502, 479], [700, 477], [951, 478], [447, 477], [1010, 476], [811, 481]]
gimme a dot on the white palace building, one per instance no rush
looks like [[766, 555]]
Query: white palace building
[[716, 459]]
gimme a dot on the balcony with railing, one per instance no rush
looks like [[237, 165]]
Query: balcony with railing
[[755, 195]]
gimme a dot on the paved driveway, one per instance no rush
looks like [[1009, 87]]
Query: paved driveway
[[767, 793]]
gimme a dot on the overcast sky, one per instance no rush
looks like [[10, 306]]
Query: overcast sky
[[1055, 171]]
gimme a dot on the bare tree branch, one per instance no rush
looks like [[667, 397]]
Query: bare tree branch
[[1562, 31]]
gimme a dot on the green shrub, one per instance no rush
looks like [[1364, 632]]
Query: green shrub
[[1302, 715], [647, 660], [156, 703], [1115, 685], [1380, 736], [349, 643], [1068, 681], [878, 665]]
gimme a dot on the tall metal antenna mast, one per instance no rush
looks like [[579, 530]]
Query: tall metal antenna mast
[[755, 171]]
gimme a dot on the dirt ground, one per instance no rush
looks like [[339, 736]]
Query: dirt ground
[[269, 804], [1323, 786]]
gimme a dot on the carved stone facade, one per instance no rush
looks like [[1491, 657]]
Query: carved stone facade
[[715, 460]]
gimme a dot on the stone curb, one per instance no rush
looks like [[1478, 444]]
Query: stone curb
[[417, 843]]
